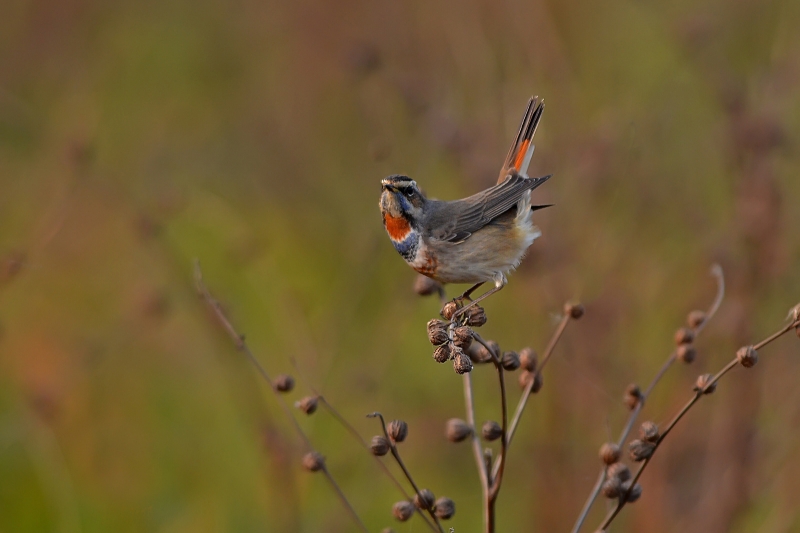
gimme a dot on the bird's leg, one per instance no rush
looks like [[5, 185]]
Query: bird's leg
[[468, 292], [500, 284]]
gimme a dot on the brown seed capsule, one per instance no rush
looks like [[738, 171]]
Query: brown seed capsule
[[611, 487], [284, 383], [528, 359], [479, 354], [476, 316], [442, 353], [397, 430], [686, 353], [702, 384], [457, 430], [609, 453], [533, 379], [461, 362], [424, 500], [308, 404], [491, 430], [425, 286], [747, 356], [437, 332], [403, 510], [462, 337], [619, 471], [695, 319], [449, 310], [648, 431], [313, 461], [684, 336], [631, 494], [641, 450], [379, 445], [510, 361], [444, 508], [575, 311], [633, 396]]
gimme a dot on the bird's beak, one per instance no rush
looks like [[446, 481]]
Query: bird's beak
[[387, 186]]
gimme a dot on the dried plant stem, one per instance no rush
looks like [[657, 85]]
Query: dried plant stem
[[241, 345], [717, 273], [401, 464], [697, 395], [483, 471]]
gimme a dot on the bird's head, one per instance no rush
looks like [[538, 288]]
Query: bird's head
[[401, 198]]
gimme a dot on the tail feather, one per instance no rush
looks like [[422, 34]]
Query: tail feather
[[520, 153]]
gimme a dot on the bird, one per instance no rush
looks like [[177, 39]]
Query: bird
[[473, 240]]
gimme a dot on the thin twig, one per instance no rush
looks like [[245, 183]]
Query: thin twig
[[241, 345], [717, 273], [483, 471]]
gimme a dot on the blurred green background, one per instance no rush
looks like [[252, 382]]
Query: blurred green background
[[136, 136]]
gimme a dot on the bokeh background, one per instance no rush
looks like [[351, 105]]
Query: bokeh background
[[252, 135]]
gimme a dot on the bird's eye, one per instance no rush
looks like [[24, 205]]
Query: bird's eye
[[409, 192]]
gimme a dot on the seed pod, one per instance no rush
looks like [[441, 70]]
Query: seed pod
[[437, 332], [575, 311], [308, 404], [462, 337], [702, 384], [457, 430], [461, 363], [510, 361], [695, 319], [442, 353], [403, 510], [611, 487], [491, 430], [449, 310], [425, 286], [379, 445], [479, 354], [633, 396], [747, 356], [397, 430], [609, 453], [684, 336], [476, 316], [528, 359], [424, 500], [686, 353], [641, 450], [444, 508], [631, 494], [619, 471], [313, 461], [284, 383], [648, 431], [527, 378]]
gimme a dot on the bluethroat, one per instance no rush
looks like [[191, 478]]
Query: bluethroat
[[474, 240]]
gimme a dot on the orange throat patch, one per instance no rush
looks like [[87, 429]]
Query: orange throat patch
[[398, 228]]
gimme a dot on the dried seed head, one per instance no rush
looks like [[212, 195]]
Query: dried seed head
[[397, 430], [457, 430], [648, 431], [491, 430], [476, 316], [461, 362], [641, 450], [449, 310], [684, 336], [424, 500], [425, 286], [747, 356], [442, 353], [619, 471], [437, 332], [528, 359], [444, 508], [403, 510], [611, 487], [575, 311], [686, 353], [379, 445], [702, 384], [631, 494], [695, 319], [510, 361], [479, 354], [532, 379], [308, 404], [284, 383], [313, 461], [633, 396], [462, 337], [609, 453]]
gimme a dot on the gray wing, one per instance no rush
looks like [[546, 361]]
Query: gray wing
[[456, 221]]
